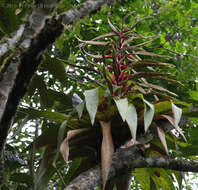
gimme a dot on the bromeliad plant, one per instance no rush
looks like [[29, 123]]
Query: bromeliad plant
[[123, 88], [122, 103]]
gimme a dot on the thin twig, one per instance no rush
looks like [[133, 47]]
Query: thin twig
[[180, 54], [80, 67]]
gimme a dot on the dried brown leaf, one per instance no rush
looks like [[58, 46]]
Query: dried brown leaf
[[167, 79], [94, 56], [142, 44], [148, 74], [104, 36], [171, 120], [149, 54], [107, 150], [47, 156], [162, 138], [97, 43], [112, 26], [64, 148], [150, 63], [148, 85]]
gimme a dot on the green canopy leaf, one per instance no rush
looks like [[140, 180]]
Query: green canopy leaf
[[143, 177], [194, 94], [79, 108], [91, 99], [131, 120], [148, 114], [122, 105]]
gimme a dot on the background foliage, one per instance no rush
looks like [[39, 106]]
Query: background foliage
[[47, 105]]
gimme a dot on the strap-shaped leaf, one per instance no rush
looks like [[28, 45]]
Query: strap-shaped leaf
[[107, 150], [149, 54], [172, 121], [91, 99], [64, 148], [162, 138], [79, 108], [61, 134], [112, 27], [104, 36], [92, 42], [177, 113], [131, 120], [122, 105], [148, 114], [149, 85], [46, 170], [142, 63]]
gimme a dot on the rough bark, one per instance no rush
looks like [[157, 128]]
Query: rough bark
[[125, 160], [30, 41], [82, 10], [21, 65]]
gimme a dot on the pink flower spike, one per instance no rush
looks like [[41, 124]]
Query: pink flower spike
[[119, 56], [123, 66], [108, 56], [124, 31], [109, 67], [130, 57]]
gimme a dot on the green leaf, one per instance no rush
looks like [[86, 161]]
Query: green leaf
[[38, 83], [73, 167], [9, 22], [178, 176], [91, 99], [131, 120], [114, 188], [21, 125], [177, 113], [122, 105], [180, 47], [61, 134], [21, 178], [55, 116], [79, 108], [46, 170], [143, 177], [59, 99], [56, 67], [148, 114], [194, 119], [162, 106], [162, 179], [194, 94]]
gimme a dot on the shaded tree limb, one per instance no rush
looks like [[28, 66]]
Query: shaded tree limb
[[125, 160], [32, 40]]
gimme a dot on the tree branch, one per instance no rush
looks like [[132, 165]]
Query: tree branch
[[180, 54], [82, 10], [125, 160], [38, 34]]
